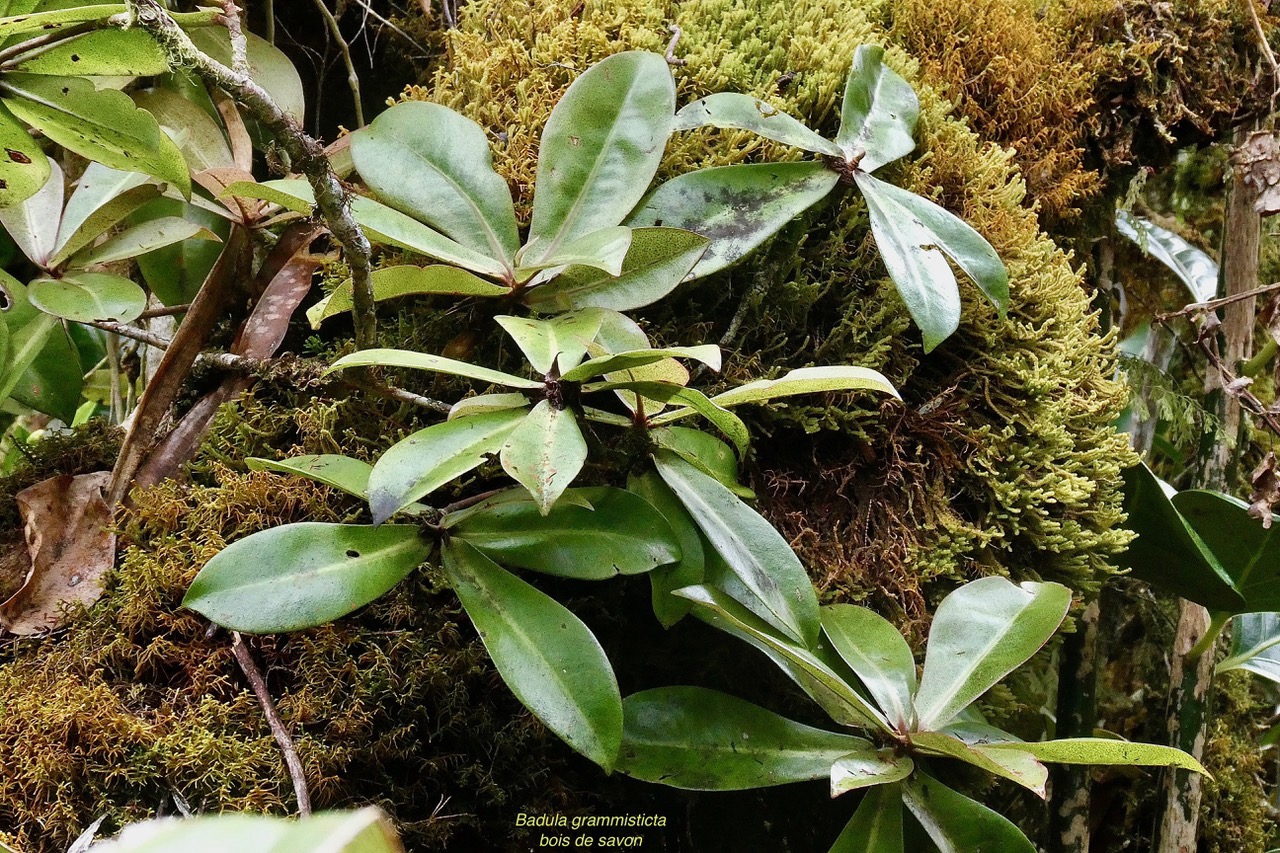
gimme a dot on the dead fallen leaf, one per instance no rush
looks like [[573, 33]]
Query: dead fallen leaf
[[1266, 490], [72, 545], [1259, 157]]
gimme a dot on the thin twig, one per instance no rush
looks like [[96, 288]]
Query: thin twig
[[471, 501], [353, 80], [278, 729], [1215, 304], [239, 45], [131, 332], [1266, 52], [269, 8], [391, 25], [164, 311], [676, 32], [332, 198]]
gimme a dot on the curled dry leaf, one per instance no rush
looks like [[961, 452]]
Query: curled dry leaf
[[1259, 158], [1266, 490], [67, 523]]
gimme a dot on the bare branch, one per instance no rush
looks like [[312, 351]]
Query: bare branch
[[239, 45], [353, 80], [278, 730]]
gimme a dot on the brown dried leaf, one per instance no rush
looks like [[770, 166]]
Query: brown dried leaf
[[72, 545], [1266, 490], [1259, 157]]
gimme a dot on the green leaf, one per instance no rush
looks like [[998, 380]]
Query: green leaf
[[550, 660], [269, 67], [144, 237], [561, 341], [426, 361], [1192, 266], [102, 125], [876, 827], [302, 575], [708, 354], [392, 282], [97, 222], [105, 53], [743, 112], [753, 549], [950, 234], [1167, 551], [364, 831], [915, 262], [84, 297], [33, 222], [341, 472], [95, 191], [601, 148], [485, 403], [544, 453], [807, 380], [292, 194], [1092, 750], [703, 740], [618, 534], [24, 168], [705, 452], [26, 333], [175, 273], [982, 632], [1247, 551], [665, 580], [433, 164], [736, 207], [432, 457], [879, 113], [864, 769], [43, 371], [199, 138], [657, 262], [832, 692], [693, 401], [55, 19], [876, 651], [1255, 645], [956, 823], [605, 250], [1012, 762]]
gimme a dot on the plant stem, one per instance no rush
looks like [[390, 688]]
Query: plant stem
[[353, 80], [332, 198], [1217, 622], [278, 730]]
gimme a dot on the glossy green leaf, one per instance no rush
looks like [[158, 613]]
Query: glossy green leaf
[[550, 660], [619, 333], [405, 280], [302, 575], [290, 193], [980, 633], [142, 238], [54, 19], [1191, 265], [604, 249], [658, 260], [42, 370], [33, 222], [703, 740], [24, 168], [950, 234], [98, 124], [833, 693], [958, 824], [544, 453], [199, 138], [753, 549], [269, 67], [1247, 551], [877, 652], [26, 331], [688, 570], [1167, 551], [693, 401], [106, 52], [485, 403], [915, 262], [618, 534], [429, 458], [364, 831], [808, 380], [433, 164], [84, 297], [876, 827], [1092, 750], [705, 452], [708, 354], [175, 273], [743, 112], [426, 361], [736, 207], [561, 341], [341, 472], [1255, 645], [1011, 762], [864, 769], [879, 113], [101, 219], [601, 148]]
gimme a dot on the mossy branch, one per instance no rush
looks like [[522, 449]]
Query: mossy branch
[[332, 199]]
